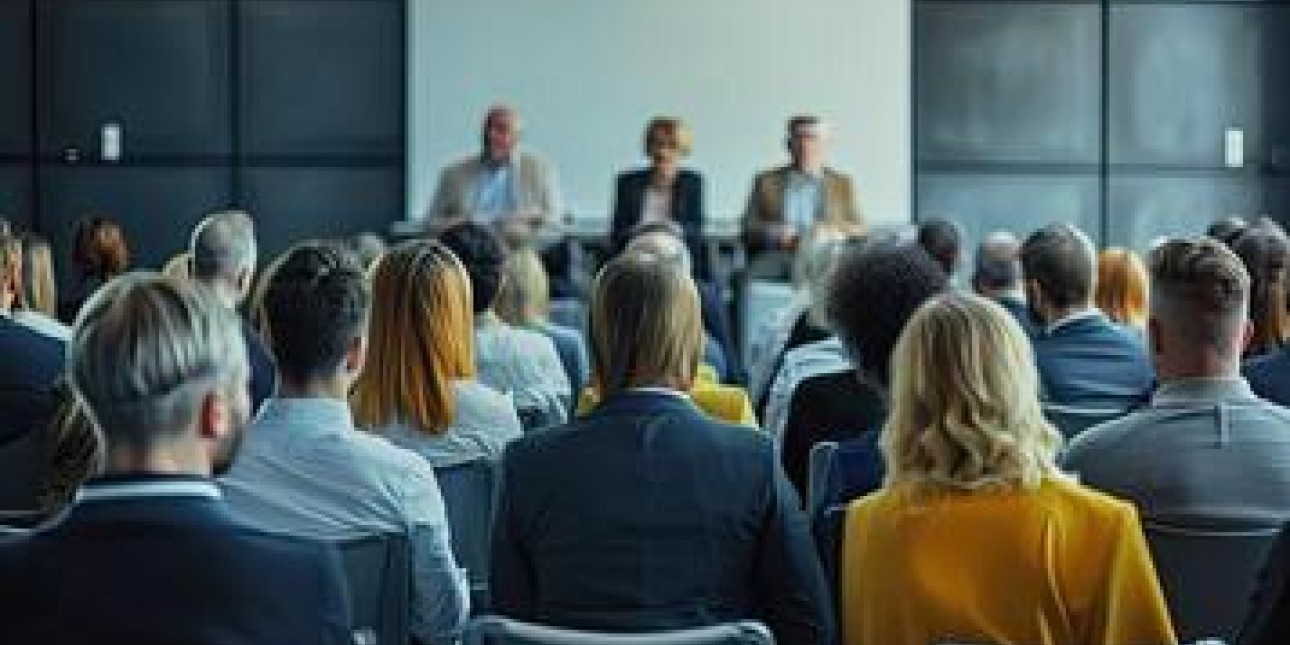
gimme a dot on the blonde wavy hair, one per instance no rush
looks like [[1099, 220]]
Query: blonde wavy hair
[[965, 411]]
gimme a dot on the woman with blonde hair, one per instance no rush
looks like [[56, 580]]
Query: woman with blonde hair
[[1122, 287], [524, 301], [418, 386], [976, 536], [37, 304], [662, 191]]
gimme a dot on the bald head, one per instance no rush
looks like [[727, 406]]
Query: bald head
[[998, 265], [664, 245], [501, 132]]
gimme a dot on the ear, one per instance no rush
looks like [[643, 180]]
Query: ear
[[213, 417]]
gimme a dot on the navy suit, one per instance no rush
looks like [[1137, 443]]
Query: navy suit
[[264, 373], [161, 569], [687, 205], [30, 366], [1092, 362], [1269, 376], [647, 515]]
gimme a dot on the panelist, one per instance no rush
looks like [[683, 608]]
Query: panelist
[[787, 203], [510, 188], [663, 191]]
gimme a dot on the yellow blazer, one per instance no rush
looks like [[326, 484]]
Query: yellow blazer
[[721, 402], [1060, 565]]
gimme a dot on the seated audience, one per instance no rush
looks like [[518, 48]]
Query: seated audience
[[873, 290], [1084, 359], [99, 253], [524, 302], [645, 514], [997, 276], [662, 192], [1227, 229], [223, 252], [1268, 620], [304, 470], [1121, 291], [368, 247], [1265, 250], [976, 536], [1206, 450], [75, 452], [149, 553], [511, 360], [418, 386], [828, 356], [38, 306], [943, 240]]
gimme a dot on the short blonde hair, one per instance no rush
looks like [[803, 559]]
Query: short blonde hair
[[671, 130], [646, 324], [525, 293], [1122, 287], [965, 412]]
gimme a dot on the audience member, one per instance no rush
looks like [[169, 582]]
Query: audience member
[[517, 361], [35, 291], [524, 302], [368, 247], [997, 276], [99, 253], [786, 203], [1084, 359], [1206, 450], [1229, 228], [645, 514], [1121, 291], [305, 471], [1265, 250], [148, 553], [75, 452], [976, 534], [223, 258], [663, 192], [943, 240], [418, 387]]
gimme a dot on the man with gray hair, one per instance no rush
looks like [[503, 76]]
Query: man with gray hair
[[996, 275], [224, 253], [149, 553]]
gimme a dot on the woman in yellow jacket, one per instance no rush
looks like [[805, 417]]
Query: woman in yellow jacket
[[976, 537]]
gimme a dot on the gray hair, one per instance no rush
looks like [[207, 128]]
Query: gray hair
[[223, 246], [998, 263], [665, 245], [145, 351]]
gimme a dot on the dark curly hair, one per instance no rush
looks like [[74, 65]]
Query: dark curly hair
[[482, 253]]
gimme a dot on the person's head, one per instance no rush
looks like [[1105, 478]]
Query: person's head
[[525, 295], [813, 267], [1059, 266], [663, 239], [99, 250], [874, 290], [313, 313], [646, 326], [38, 290], [223, 254], [1265, 251], [965, 412], [368, 248], [943, 240], [1227, 229], [420, 339], [1200, 292], [501, 132], [479, 250], [10, 273], [667, 141], [807, 141], [1122, 287], [997, 268], [161, 367]]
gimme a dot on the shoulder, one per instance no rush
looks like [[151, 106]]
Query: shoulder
[[1267, 365], [837, 177], [1093, 446], [689, 176], [1096, 512], [469, 392]]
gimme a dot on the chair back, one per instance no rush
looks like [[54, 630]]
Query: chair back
[[497, 630], [568, 312], [829, 531], [819, 467], [378, 576], [1073, 420], [1208, 576], [470, 497]]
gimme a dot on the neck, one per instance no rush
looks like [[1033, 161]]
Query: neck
[[336, 388], [158, 461], [664, 174], [813, 169], [1055, 314], [1197, 363], [8, 300]]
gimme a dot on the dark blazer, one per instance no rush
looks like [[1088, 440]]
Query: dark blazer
[[30, 365], [1269, 376], [827, 407], [629, 199], [264, 373], [158, 570], [1268, 621], [647, 515], [1092, 362]]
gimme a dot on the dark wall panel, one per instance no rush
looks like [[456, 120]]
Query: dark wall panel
[[1142, 209], [982, 203], [293, 204], [15, 77], [322, 77], [15, 193]]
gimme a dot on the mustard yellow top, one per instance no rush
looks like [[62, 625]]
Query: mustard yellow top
[[721, 402], [1060, 565]]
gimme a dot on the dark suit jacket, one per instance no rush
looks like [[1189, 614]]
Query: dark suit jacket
[[30, 366], [264, 374], [647, 515], [1269, 376], [163, 570], [1268, 621], [827, 407], [687, 205], [1092, 362]]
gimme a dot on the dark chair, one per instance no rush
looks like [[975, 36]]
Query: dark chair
[[1073, 420], [470, 497], [1208, 576], [829, 531], [497, 630], [378, 575], [818, 473]]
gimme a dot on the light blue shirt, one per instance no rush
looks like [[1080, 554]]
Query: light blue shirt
[[525, 365], [484, 421], [495, 196], [803, 200], [304, 470]]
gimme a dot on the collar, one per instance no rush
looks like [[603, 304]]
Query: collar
[[1079, 316], [306, 415], [662, 391], [112, 488], [1202, 391], [1015, 296]]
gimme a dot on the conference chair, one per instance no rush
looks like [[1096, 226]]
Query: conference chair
[[1073, 420], [819, 467], [1208, 575], [568, 312], [470, 498], [498, 630], [377, 572], [829, 531]]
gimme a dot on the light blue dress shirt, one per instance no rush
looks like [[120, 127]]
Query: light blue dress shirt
[[525, 365], [803, 200], [304, 470], [495, 196]]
